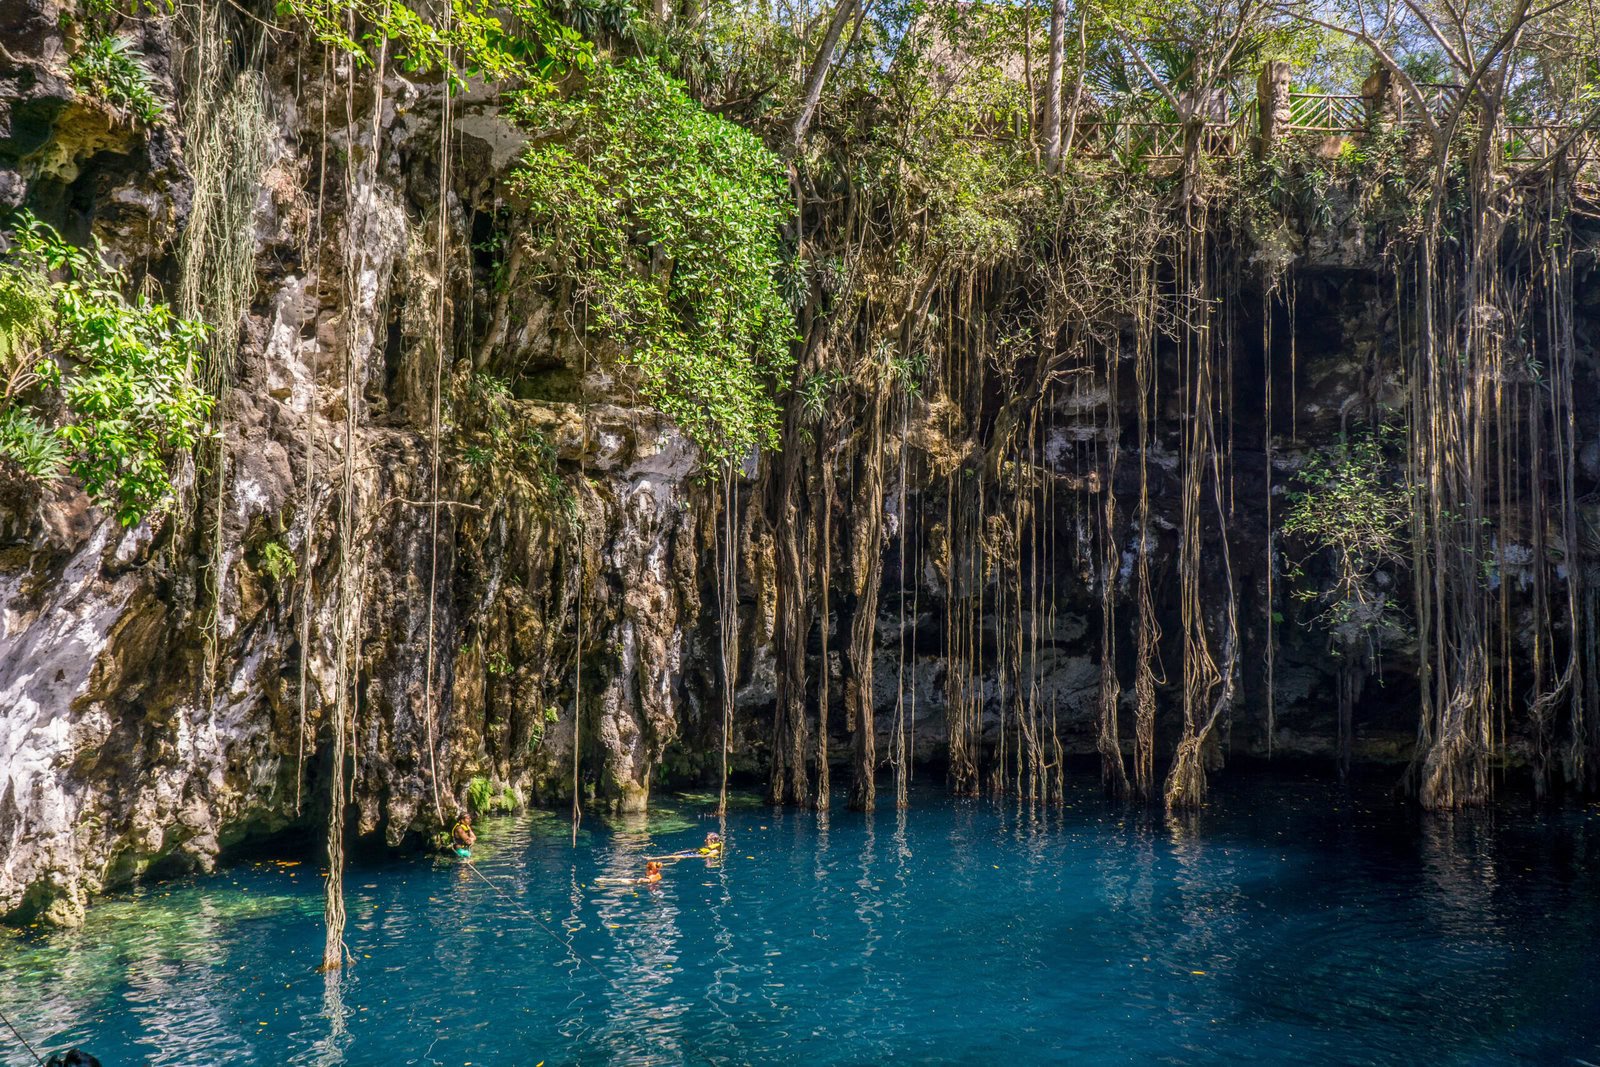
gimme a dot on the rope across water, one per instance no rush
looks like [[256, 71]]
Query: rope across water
[[18, 1034], [542, 925]]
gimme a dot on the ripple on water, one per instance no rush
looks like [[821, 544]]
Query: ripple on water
[[1287, 923]]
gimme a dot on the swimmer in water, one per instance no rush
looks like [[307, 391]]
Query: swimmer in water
[[462, 837], [711, 850], [652, 875]]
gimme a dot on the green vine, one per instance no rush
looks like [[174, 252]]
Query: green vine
[[475, 42]]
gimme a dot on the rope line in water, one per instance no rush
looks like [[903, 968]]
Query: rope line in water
[[18, 1034], [580, 957]]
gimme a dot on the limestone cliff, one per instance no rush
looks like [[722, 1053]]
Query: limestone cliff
[[529, 551]]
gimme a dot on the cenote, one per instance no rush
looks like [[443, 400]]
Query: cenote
[[1289, 921], [445, 443]]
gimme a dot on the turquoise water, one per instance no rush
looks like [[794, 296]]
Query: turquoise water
[[1291, 922]]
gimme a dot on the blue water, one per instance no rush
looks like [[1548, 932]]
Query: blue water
[[1290, 922]]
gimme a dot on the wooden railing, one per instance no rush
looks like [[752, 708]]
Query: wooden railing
[[1337, 115], [1133, 140], [1327, 113]]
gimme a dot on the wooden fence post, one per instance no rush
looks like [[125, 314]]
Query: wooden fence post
[[1381, 97], [1272, 102]]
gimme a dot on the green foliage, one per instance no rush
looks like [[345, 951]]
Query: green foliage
[[907, 372], [480, 795], [483, 797], [1350, 510], [278, 563], [666, 219], [816, 392], [24, 314], [508, 446], [122, 375], [537, 730], [517, 40], [596, 19], [31, 445], [110, 68]]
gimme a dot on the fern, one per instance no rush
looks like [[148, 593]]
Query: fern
[[110, 68]]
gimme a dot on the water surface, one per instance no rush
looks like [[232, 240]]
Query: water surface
[[1290, 922]]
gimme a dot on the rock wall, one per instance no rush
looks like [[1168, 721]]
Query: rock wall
[[150, 679], [164, 690]]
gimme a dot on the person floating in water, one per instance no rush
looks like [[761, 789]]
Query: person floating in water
[[711, 850], [652, 875], [461, 836]]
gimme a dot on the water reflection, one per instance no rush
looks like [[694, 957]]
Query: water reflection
[[331, 1049], [640, 924], [967, 931]]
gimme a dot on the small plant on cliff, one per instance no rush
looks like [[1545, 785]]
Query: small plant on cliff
[[480, 795], [666, 218], [540, 724], [109, 68], [114, 379], [278, 563], [509, 447], [483, 797], [1349, 511], [31, 445]]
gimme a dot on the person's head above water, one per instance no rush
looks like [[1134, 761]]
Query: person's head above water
[[75, 1057], [713, 839], [653, 867]]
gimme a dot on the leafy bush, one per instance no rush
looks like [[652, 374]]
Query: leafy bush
[[666, 218], [123, 371], [110, 68], [1349, 510], [483, 797]]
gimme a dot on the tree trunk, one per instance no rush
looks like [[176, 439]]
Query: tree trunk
[[1052, 86], [819, 69], [824, 608], [866, 567], [789, 783]]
